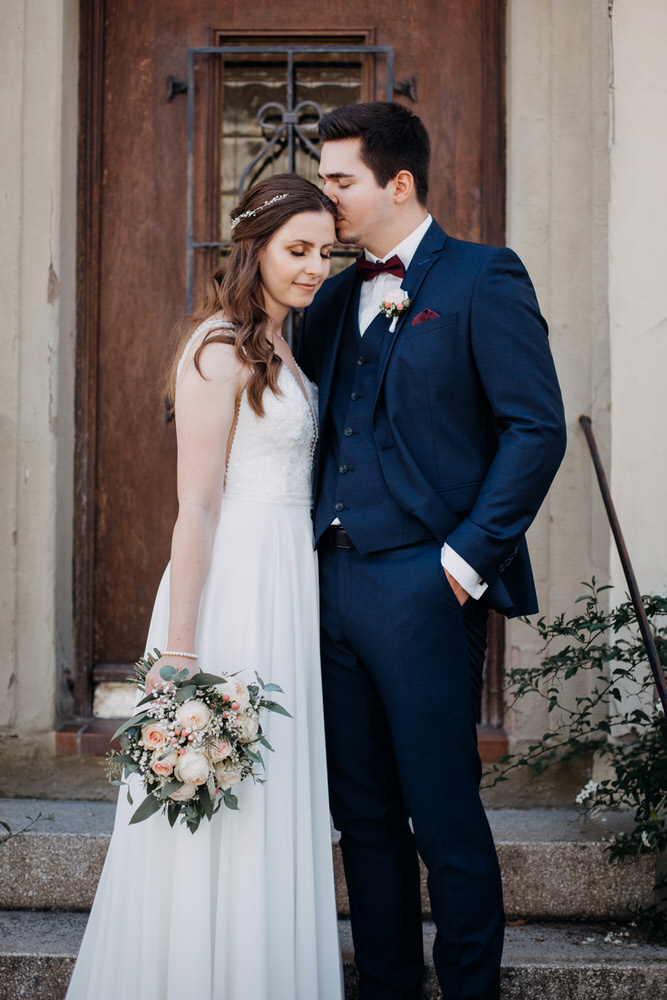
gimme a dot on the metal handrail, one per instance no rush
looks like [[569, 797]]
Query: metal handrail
[[640, 611]]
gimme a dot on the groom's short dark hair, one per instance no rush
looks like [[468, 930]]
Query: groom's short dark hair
[[392, 139]]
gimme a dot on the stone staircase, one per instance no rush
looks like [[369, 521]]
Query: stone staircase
[[566, 906]]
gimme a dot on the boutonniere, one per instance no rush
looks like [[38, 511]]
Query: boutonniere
[[393, 305]]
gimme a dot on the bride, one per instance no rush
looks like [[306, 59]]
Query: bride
[[244, 908]]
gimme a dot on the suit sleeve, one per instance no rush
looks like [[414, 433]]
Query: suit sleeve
[[514, 363]]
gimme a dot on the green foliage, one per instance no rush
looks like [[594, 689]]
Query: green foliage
[[28, 827], [618, 716]]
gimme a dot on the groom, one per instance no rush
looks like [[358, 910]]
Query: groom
[[441, 428]]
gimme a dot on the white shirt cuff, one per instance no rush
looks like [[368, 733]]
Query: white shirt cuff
[[462, 572]]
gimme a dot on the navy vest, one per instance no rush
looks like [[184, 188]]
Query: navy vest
[[352, 487]]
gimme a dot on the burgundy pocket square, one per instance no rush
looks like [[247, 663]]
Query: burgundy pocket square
[[425, 315]]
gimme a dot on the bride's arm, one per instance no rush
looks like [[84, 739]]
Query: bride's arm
[[205, 410]]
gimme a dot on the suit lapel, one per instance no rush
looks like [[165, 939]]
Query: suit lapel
[[426, 255], [349, 285]]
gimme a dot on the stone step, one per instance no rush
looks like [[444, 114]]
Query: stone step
[[549, 961], [553, 863]]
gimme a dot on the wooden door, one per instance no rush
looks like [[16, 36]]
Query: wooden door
[[134, 218]]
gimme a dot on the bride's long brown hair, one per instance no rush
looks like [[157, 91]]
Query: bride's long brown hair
[[235, 289]]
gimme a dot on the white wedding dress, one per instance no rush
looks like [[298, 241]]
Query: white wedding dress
[[244, 908]]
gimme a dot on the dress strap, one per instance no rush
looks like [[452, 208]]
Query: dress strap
[[203, 328]]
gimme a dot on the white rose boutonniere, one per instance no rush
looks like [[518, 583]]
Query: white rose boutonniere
[[393, 305]]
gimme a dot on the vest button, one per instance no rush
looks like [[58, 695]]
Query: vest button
[[342, 469], [348, 432], [361, 362], [340, 506], [354, 396]]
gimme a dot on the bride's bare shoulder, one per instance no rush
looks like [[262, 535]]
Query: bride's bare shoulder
[[210, 353]]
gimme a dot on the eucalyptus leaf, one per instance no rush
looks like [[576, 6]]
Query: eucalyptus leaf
[[185, 693], [170, 787], [149, 806], [124, 760], [149, 699], [206, 801], [206, 680], [134, 723], [230, 799], [273, 706]]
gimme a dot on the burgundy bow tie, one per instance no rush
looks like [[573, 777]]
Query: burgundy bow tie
[[367, 269]]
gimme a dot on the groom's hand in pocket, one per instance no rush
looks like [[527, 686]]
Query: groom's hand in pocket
[[460, 594]]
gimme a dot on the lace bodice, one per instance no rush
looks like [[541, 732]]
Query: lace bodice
[[271, 457]]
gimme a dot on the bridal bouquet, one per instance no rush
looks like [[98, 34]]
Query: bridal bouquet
[[192, 740]]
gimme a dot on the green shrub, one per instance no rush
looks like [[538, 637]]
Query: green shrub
[[619, 717]]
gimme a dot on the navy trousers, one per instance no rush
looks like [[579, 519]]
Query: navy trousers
[[402, 665]]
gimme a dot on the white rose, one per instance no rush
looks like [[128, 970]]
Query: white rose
[[193, 714], [247, 726], [395, 297], [155, 735], [183, 793], [192, 768], [226, 777], [236, 691], [219, 750]]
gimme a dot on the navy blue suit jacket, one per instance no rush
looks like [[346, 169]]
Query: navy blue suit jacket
[[468, 417]]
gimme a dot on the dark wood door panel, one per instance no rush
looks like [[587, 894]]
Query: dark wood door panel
[[132, 275]]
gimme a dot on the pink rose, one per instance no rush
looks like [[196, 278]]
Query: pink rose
[[155, 735], [226, 777], [184, 793], [162, 765], [219, 750]]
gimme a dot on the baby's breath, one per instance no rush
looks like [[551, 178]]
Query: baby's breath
[[211, 754]]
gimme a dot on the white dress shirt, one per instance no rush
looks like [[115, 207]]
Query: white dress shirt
[[373, 292]]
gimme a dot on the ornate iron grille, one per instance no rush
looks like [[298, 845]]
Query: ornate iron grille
[[282, 126]]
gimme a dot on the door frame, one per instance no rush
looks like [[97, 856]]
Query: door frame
[[89, 189]]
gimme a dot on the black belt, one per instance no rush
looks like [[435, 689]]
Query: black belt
[[337, 537]]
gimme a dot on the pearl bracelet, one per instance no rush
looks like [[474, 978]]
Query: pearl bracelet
[[175, 652]]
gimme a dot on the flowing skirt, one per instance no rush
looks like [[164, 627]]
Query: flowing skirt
[[244, 908]]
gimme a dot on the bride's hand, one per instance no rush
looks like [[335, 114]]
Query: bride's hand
[[154, 678]]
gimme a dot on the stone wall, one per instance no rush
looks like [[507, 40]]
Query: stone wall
[[38, 67]]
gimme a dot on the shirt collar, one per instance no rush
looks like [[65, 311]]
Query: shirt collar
[[407, 248]]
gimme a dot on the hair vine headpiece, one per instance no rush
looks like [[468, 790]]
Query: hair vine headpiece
[[254, 211]]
